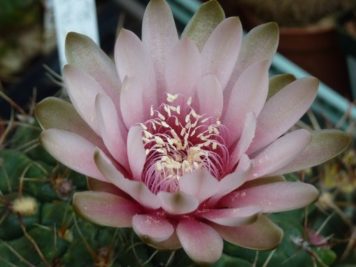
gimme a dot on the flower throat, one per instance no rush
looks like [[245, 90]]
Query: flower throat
[[178, 141]]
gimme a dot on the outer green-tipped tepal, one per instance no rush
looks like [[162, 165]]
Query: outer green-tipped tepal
[[204, 21]]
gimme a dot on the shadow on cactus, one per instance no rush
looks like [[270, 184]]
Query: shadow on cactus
[[181, 143]]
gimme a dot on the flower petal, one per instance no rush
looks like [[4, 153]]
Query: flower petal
[[278, 82], [183, 68], [199, 183], [136, 151], [104, 208], [325, 144], [83, 53], [131, 58], [178, 202], [198, 30], [280, 153], [261, 235], [159, 34], [259, 44], [200, 241], [82, 90], [210, 96], [248, 95], [56, 113], [132, 102], [232, 217], [137, 190], [133, 61], [272, 197], [232, 181], [113, 137], [247, 135], [283, 110], [226, 37], [72, 150], [151, 228]]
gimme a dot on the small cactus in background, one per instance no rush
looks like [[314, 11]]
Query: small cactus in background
[[19, 14], [23, 36]]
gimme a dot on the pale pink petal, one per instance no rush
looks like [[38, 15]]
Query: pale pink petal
[[280, 153], [259, 44], [159, 34], [221, 50], [325, 144], [137, 190], [104, 208], [83, 53], [136, 151], [178, 202], [199, 183], [82, 90], [131, 58], [261, 235], [248, 95], [132, 103], [133, 61], [232, 217], [56, 113], [235, 179], [210, 96], [152, 228], [183, 68], [283, 110], [113, 137], [200, 241], [72, 150], [247, 135], [272, 197]]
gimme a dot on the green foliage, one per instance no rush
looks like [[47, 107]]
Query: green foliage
[[18, 13]]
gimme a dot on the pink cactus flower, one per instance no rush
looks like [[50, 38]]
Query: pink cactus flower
[[186, 137]]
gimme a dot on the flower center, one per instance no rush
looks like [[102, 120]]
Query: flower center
[[178, 141]]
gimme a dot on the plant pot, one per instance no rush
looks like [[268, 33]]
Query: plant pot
[[317, 50]]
